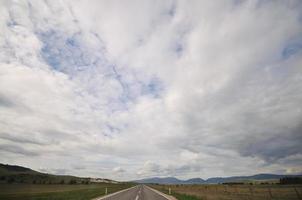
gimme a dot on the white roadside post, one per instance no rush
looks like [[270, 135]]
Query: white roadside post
[[106, 191], [169, 191]]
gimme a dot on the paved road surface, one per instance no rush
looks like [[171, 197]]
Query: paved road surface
[[140, 192]]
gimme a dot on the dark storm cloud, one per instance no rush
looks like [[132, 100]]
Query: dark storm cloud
[[276, 146]]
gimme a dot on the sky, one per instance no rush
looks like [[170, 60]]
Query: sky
[[129, 89]]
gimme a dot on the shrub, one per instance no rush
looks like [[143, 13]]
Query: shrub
[[11, 180], [85, 182]]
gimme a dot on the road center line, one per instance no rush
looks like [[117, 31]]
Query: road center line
[[162, 194], [136, 198], [113, 194]]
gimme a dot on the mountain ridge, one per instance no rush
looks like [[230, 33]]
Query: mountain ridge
[[214, 180]]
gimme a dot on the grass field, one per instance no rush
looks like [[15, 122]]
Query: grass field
[[233, 192], [56, 192]]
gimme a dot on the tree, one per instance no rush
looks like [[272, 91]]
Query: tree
[[11, 180]]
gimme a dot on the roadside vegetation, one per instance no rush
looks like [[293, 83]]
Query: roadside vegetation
[[185, 196], [178, 196], [233, 191]]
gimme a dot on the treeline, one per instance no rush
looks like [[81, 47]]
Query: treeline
[[62, 182], [291, 180], [233, 183], [10, 179]]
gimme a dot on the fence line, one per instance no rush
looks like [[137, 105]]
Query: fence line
[[298, 195], [240, 192]]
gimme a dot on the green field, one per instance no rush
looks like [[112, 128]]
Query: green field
[[57, 192], [21, 183]]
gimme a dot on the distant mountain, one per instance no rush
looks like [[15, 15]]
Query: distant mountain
[[215, 180], [170, 180], [257, 177], [166, 180], [194, 181]]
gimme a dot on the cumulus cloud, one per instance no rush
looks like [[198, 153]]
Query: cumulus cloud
[[149, 168], [133, 89]]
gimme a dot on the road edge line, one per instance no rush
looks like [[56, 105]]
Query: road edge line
[[169, 197], [112, 194]]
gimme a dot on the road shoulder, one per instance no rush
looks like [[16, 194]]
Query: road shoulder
[[169, 197]]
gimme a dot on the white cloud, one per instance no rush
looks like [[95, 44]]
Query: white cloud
[[149, 168], [151, 88], [118, 170]]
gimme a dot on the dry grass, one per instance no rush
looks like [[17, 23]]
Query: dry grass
[[238, 192]]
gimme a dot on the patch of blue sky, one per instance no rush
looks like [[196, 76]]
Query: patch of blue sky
[[71, 55], [153, 88], [179, 49], [291, 49], [172, 10], [135, 87], [12, 20], [11, 23], [238, 2], [66, 53], [126, 94], [110, 130], [300, 17]]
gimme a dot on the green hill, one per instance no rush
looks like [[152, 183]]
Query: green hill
[[18, 174], [14, 169]]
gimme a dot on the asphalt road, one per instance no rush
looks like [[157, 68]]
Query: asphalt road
[[140, 192]]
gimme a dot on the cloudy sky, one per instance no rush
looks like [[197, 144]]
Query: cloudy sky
[[134, 89]]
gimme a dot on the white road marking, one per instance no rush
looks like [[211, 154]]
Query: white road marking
[[137, 196], [107, 196]]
